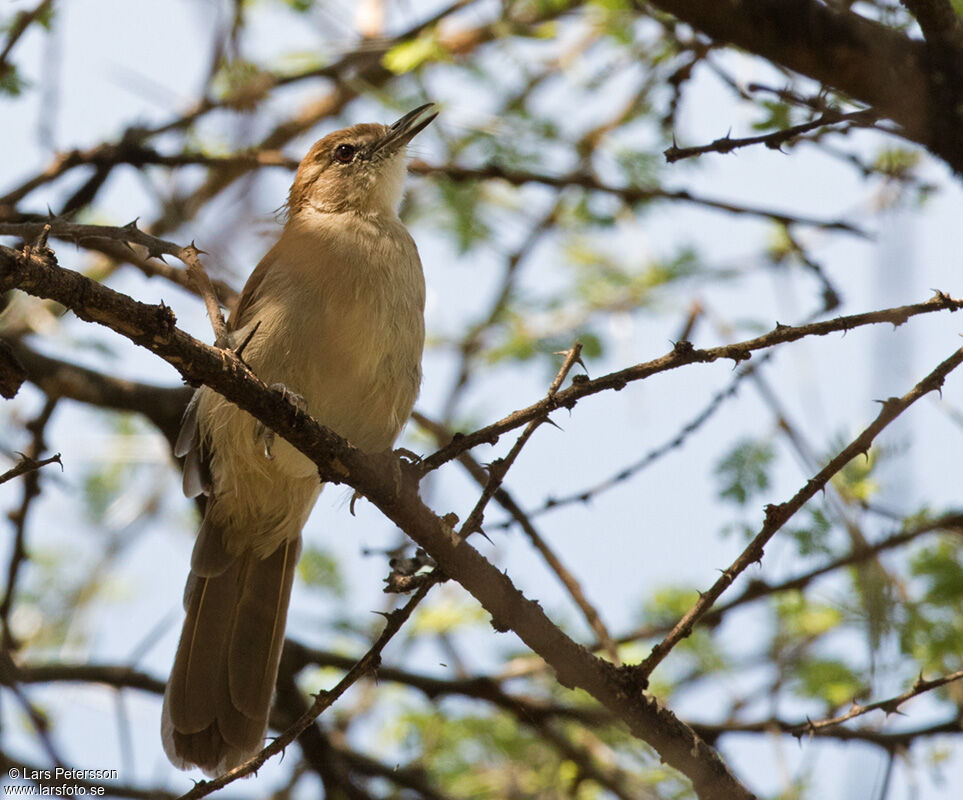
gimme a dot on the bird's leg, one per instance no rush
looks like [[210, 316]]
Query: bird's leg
[[262, 433]]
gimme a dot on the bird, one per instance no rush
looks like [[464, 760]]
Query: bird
[[333, 317]]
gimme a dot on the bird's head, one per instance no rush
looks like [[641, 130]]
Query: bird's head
[[359, 169]]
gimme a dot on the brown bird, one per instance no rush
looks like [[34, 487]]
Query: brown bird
[[335, 313]]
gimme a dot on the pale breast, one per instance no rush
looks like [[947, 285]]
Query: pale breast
[[340, 314]]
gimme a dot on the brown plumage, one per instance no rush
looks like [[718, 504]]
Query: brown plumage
[[336, 310]]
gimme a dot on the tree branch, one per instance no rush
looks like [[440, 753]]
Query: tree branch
[[890, 705], [775, 140], [917, 87], [779, 515], [392, 485], [630, 194], [682, 354], [18, 553], [162, 405], [27, 464]]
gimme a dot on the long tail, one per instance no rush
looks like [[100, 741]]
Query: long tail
[[219, 695]]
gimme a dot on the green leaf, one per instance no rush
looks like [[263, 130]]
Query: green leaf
[[854, 481], [460, 203], [743, 472], [813, 538], [447, 617], [408, 56], [942, 569], [11, 82], [668, 603], [319, 570], [242, 84], [799, 617], [827, 679], [778, 116], [897, 162]]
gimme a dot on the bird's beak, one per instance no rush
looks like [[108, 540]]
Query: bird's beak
[[406, 128]]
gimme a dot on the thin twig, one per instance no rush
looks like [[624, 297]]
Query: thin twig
[[190, 255], [863, 119], [890, 705], [18, 554], [498, 468], [630, 194], [760, 589], [506, 501], [631, 470], [898, 741], [27, 464]]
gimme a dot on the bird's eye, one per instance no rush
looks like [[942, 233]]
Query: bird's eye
[[344, 153]]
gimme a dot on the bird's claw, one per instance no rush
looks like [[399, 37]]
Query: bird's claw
[[262, 433], [293, 398]]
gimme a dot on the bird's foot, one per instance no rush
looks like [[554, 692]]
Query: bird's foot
[[264, 436], [293, 398], [262, 433]]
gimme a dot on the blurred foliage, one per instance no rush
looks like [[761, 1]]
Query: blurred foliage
[[490, 756], [11, 82], [932, 632], [812, 538], [743, 472], [855, 482], [828, 679], [319, 569], [407, 56]]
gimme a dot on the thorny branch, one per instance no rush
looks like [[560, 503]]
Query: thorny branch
[[891, 741], [506, 501], [778, 515], [94, 236], [629, 471], [890, 705], [682, 354], [496, 475], [28, 464], [774, 141], [392, 486], [757, 589]]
